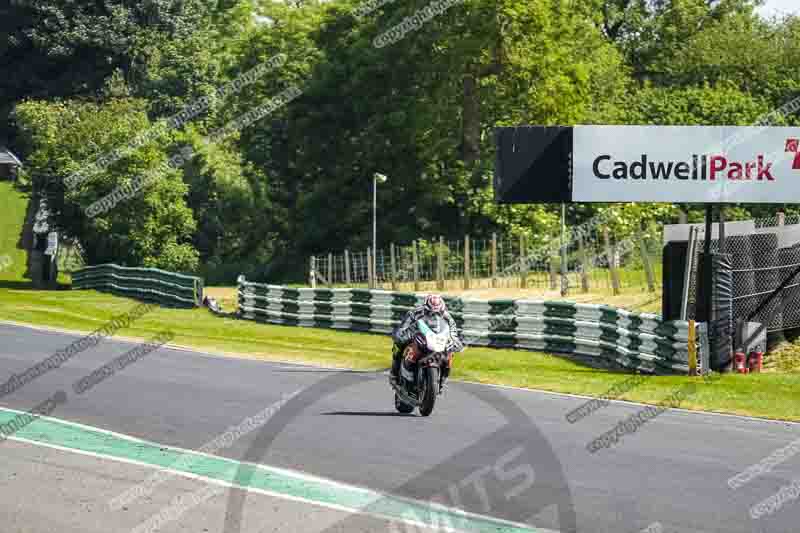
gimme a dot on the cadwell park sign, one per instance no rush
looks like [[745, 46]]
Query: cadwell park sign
[[674, 164]]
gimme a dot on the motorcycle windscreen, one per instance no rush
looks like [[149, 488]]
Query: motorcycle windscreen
[[435, 324]]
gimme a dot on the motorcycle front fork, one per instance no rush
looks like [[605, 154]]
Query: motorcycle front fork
[[397, 360]]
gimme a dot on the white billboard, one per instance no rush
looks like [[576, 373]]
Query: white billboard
[[686, 164]]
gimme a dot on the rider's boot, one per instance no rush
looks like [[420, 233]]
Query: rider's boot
[[396, 359], [445, 375]]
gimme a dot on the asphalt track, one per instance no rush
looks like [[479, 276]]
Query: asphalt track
[[673, 471]]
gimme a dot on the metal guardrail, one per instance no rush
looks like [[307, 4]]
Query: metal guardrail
[[633, 340], [149, 284]]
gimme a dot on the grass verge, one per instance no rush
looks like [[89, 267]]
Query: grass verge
[[13, 258], [769, 395]]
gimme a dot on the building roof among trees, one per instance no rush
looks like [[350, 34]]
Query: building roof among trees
[[8, 158]]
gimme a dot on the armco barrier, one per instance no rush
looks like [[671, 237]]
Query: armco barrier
[[633, 340], [150, 284]]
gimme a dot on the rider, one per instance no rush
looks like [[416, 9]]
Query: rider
[[404, 333]]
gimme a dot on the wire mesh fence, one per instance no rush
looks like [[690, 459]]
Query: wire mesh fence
[[593, 261], [765, 256]]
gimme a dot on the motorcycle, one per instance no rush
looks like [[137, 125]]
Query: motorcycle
[[420, 378]]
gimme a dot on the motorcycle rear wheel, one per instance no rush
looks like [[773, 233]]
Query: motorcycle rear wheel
[[401, 406], [430, 390]]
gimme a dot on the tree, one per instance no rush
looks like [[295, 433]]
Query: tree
[[65, 48], [151, 229]]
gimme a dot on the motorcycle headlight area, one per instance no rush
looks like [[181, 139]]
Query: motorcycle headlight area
[[438, 343]]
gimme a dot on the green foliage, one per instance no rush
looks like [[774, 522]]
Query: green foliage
[[63, 48], [13, 259], [150, 229], [421, 111], [720, 105]]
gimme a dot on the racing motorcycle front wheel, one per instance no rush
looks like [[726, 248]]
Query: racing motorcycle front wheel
[[430, 390]]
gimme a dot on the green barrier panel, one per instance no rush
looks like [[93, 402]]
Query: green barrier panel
[[150, 284]]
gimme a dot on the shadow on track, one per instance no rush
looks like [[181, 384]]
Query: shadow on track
[[327, 371], [367, 413]]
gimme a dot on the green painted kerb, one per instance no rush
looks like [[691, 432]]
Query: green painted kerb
[[59, 433]]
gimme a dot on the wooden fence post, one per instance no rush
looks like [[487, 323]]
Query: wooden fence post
[[416, 267], [494, 260], [312, 273], [394, 268], [370, 273], [330, 270], [612, 267], [553, 273], [467, 262], [648, 267], [440, 270], [584, 266], [523, 264], [347, 267]]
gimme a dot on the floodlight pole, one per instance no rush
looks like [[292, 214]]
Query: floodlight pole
[[376, 179]]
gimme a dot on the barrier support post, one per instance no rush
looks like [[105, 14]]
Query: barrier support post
[[564, 256], [440, 264], [648, 267], [394, 267], [584, 266], [612, 267], [523, 264], [347, 267], [416, 266], [466, 262], [494, 260], [330, 270], [370, 273]]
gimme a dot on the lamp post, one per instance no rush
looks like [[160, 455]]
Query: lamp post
[[376, 178]]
